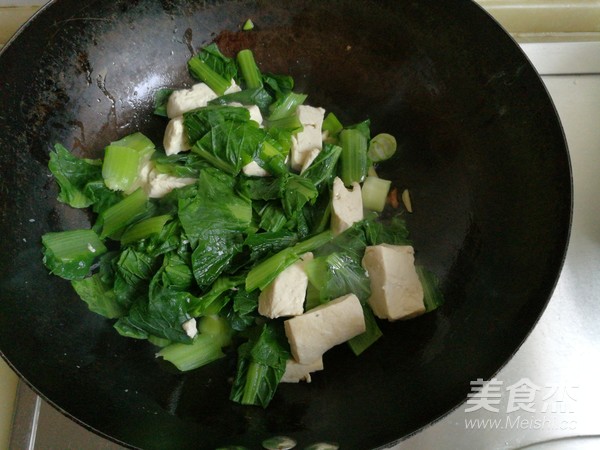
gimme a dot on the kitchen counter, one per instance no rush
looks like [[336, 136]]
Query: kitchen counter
[[561, 354]]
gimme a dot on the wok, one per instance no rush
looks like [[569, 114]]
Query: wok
[[481, 150]]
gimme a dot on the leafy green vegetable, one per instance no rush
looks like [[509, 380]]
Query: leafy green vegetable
[[73, 176], [204, 349], [261, 364], [360, 343], [70, 254], [336, 275], [214, 68], [257, 96], [127, 211], [161, 98], [161, 314], [432, 294], [215, 207], [99, 296]]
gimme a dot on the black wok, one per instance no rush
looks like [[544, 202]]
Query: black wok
[[482, 152]]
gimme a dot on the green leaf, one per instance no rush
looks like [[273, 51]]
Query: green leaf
[[70, 254], [360, 343], [215, 207], [99, 296], [213, 254], [432, 294], [258, 96], [297, 192], [161, 98], [336, 275], [216, 298], [73, 175], [261, 364], [323, 169], [200, 121], [230, 145], [218, 62], [265, 244]]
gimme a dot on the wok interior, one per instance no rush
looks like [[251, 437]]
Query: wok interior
[[481, 151]]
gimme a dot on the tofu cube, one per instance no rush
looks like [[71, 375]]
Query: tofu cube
[[286, 294], [184, 100], [396, 291], [296, 372], [310, 138], [175, 139], [160, 184], [316, 331], [252, 169], [310, 157], [346, 206]]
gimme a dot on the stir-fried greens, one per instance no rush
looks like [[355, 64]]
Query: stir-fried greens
[[193, 240]]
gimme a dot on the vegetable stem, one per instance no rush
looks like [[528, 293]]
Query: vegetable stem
[[266, 271], [123, 213], [353, 159], [249, 68], [202, 71]]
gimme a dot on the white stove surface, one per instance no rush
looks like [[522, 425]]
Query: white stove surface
[[549, 391]]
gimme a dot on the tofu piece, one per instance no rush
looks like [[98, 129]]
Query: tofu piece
[[160, 184], [190, 327], [396, 291], [316, 331], [175, 139], [346, 206], [310, 157], [296, 372], [254, 111], [184, 100], [252, 169], [286, 294], [310, 138], [255, 114]]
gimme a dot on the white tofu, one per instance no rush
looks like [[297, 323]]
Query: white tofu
[[175, 139], [160, 184], [286, 294], [310, 157], [296, 372], [157, 184], [396, 291], [254, 111], [252, 169], [190, 327], [184, 100], [316, 331], [346, 206], [310, 138]]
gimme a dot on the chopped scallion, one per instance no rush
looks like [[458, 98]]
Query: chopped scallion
[[382, 147]]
